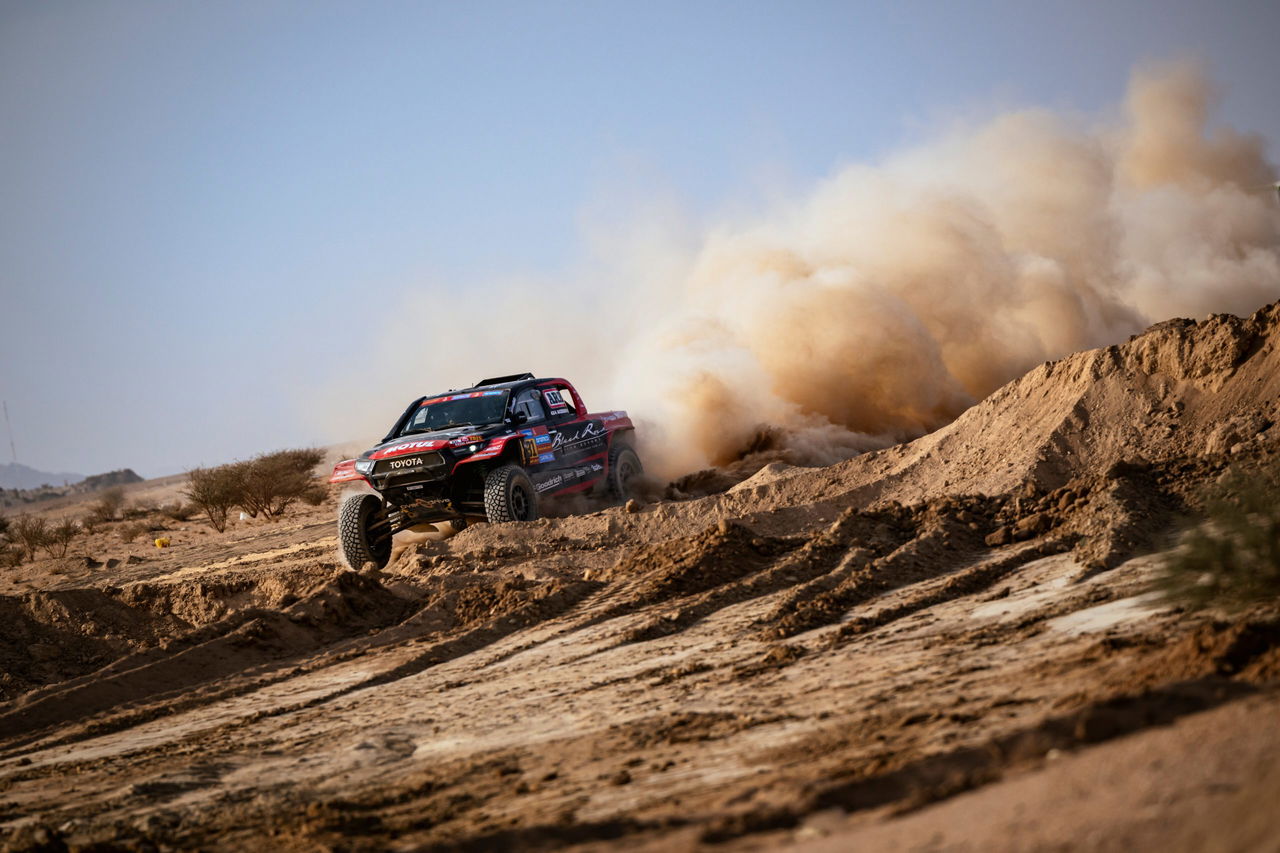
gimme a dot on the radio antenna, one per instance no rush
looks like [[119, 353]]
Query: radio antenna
[[8, 426]]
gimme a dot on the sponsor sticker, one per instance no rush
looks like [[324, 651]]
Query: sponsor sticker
[[588, 432], [547, 457], [451, 397], [407, 447], [550, 484], [542, 439], [345, 472]]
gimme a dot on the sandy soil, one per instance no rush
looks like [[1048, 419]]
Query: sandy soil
[[950, 644]]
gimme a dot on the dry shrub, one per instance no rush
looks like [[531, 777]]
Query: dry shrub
[[59, 536], [108, 506], [214, 491], [266, 485], [30, 532], [179, 511], [10, 556], [131, 531], [140, 509], [273, 482], [1232, 559]]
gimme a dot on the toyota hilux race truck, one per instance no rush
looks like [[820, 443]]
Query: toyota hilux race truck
[[490, 452]]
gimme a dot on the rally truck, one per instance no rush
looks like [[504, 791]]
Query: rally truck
[[491, 452]]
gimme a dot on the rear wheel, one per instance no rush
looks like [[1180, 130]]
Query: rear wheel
[[624, 466], [364, 531], [509, 495]]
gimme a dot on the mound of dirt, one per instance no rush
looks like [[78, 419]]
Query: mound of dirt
[[1180, 389]]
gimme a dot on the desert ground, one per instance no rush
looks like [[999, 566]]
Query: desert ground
[[956, 643]]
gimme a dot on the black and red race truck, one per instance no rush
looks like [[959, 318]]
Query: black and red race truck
[[490, 452]]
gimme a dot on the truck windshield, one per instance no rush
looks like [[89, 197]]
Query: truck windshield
[[474, 408]]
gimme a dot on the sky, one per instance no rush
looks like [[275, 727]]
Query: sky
[[209, 210]]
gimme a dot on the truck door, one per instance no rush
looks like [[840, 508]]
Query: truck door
[[577, 443]]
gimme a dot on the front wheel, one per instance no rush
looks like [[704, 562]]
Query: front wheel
[[364, 531], [509, 495]]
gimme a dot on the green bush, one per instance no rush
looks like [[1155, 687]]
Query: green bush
[[1232, 558]]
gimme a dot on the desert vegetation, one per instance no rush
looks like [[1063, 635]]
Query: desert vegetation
[[10, 554], [266, 485], [58, 538], [22, 536], [1231, 558], [108, 506], [29, 532]]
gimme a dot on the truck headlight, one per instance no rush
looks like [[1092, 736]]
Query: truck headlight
[[364, 466]]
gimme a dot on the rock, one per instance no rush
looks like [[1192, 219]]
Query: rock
[[1032, 525], [1227, 435], [632, 505], [999, 538]]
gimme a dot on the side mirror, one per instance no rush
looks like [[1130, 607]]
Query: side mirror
[[518, 418]]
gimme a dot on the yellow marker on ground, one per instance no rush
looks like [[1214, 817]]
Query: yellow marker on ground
[[163, 542]]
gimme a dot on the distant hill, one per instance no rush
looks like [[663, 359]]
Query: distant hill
[[123, 477], [15, 475]]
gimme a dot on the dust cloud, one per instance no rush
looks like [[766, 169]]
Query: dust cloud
[[896, 295]]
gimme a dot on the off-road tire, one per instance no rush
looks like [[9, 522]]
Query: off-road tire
[[357, 522], [509, 495], [624, 465]]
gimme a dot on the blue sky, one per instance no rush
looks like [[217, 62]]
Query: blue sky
[[206, 208]]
